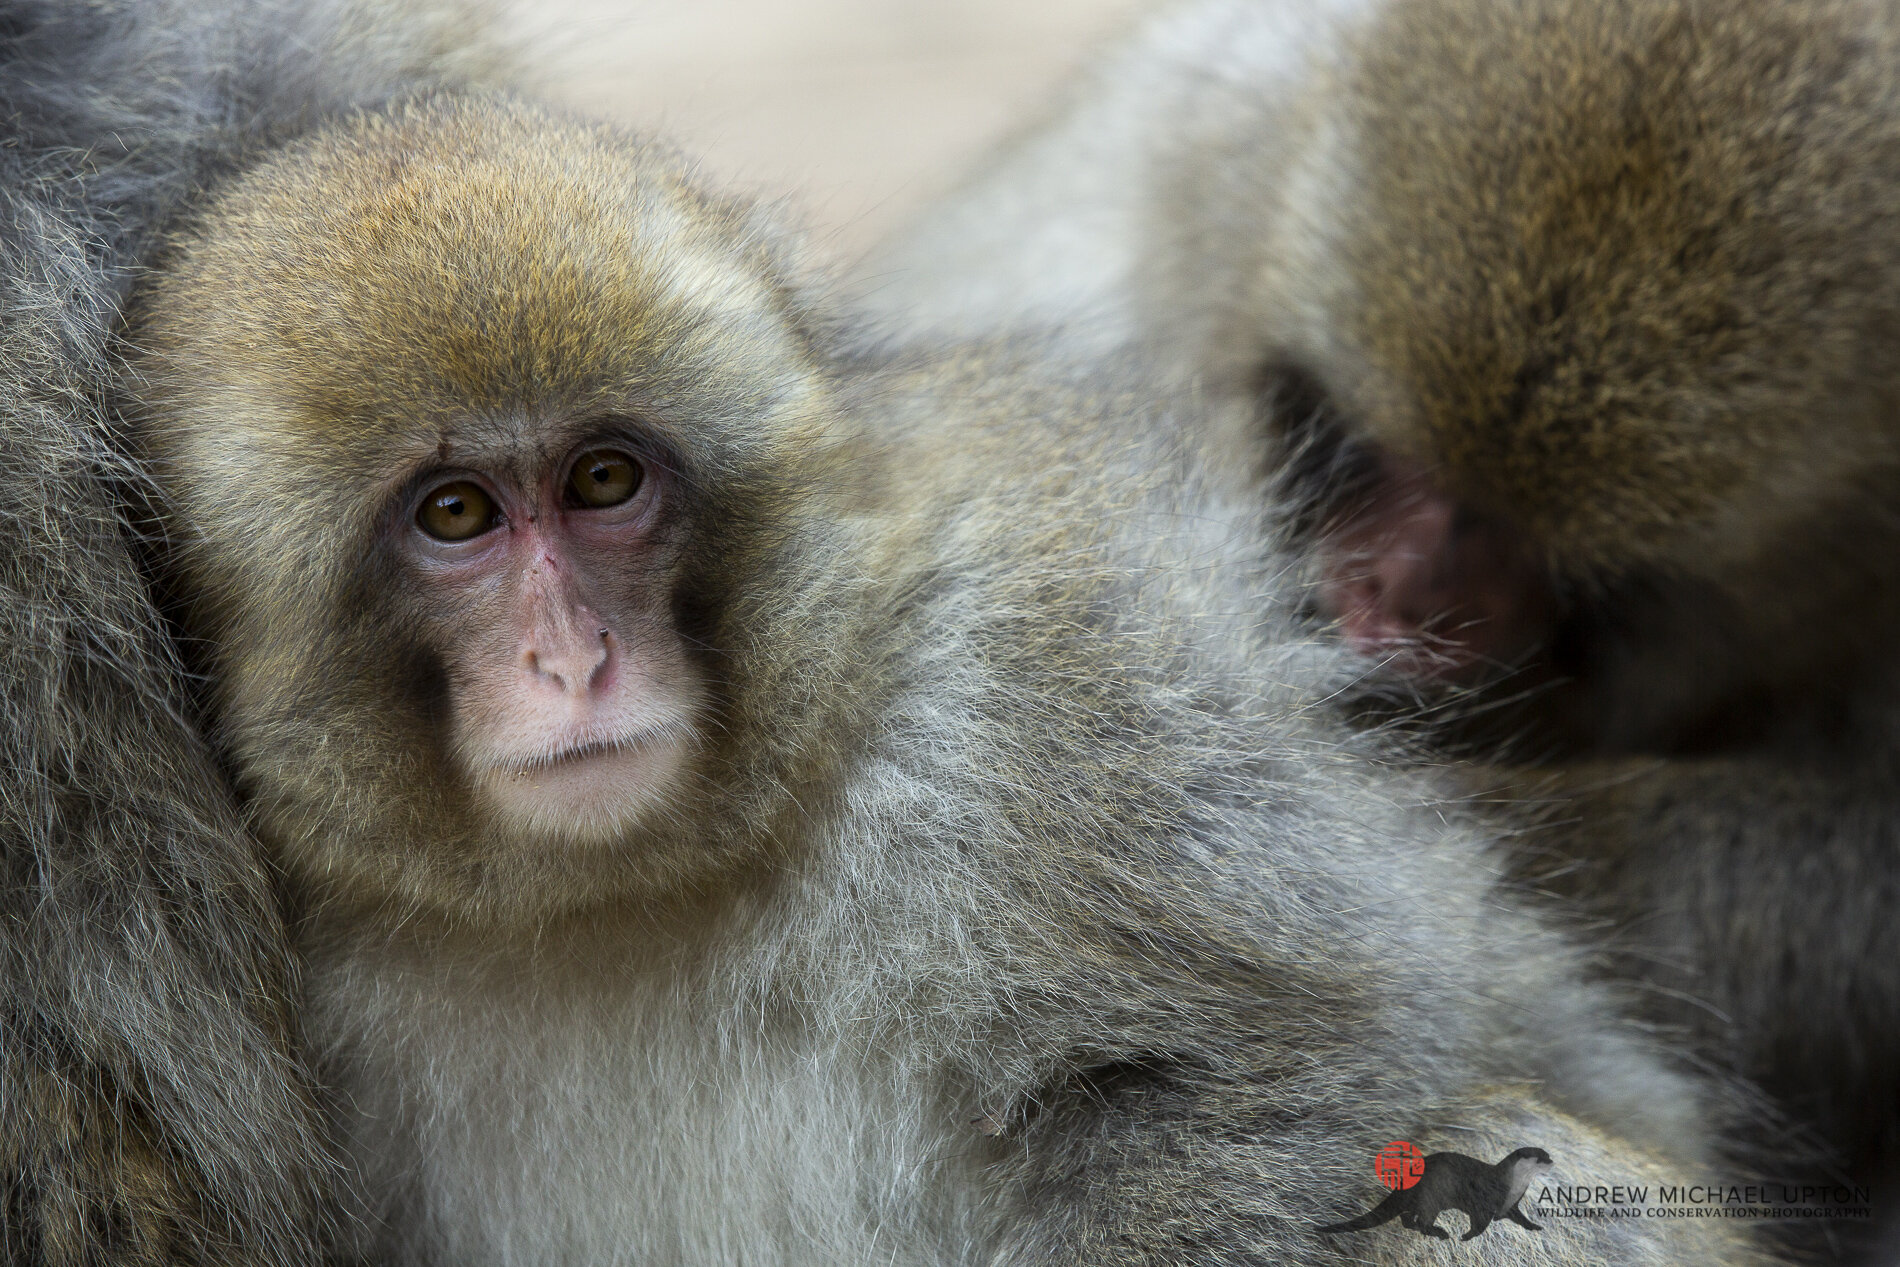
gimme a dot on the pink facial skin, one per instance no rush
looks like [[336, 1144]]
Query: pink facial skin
[[572, 699], [1434, 593]]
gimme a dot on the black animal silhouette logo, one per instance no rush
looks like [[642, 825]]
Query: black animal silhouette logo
[[1425, 1187]]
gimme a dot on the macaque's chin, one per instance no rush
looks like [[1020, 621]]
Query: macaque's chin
[[588, 795]]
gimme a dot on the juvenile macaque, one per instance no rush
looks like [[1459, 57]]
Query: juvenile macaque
[[744, 802], [1570, 324]]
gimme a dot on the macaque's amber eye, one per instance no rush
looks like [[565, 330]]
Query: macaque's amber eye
[[603, 477], [456, 512]]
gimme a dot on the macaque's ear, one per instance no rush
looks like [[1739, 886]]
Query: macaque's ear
[[1434, 590]]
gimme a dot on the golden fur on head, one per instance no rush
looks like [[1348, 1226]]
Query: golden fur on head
[[448, 261], [1620, 265]]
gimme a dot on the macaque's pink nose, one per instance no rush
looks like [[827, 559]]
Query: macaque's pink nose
[[572, 661]]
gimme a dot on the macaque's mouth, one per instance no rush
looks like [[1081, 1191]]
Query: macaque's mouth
[[634, 745], [568, 758], [592, 790], [556, 759]]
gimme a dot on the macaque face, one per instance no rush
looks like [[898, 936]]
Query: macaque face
[[544, 589], [477, 431]]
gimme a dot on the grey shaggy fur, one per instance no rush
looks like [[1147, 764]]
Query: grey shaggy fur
[[152, 1108]]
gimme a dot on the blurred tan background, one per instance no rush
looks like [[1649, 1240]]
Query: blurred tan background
[[860, 109]]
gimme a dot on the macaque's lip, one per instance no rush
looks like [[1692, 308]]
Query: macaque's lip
[[571, 756], [585, 751], [586, 787]]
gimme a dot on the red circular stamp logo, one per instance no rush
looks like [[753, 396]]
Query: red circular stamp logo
[[1399, 1164]]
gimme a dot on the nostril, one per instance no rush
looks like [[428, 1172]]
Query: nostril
[[541, 669], [574, 666]]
